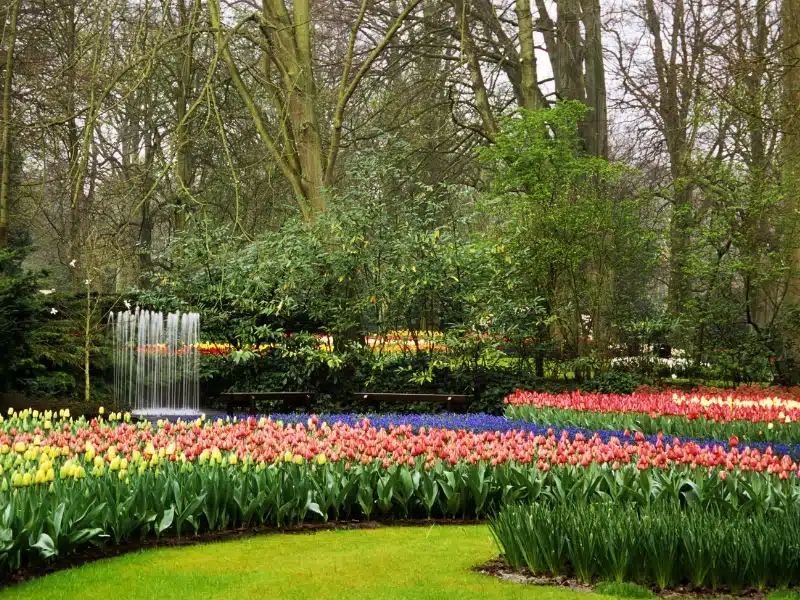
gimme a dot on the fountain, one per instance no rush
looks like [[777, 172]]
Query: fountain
[[156, 362]]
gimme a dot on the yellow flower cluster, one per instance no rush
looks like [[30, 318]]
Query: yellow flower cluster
[[767, 402], [32, 464]]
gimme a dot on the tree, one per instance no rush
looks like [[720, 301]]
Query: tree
[[285, 38], [10, 35]]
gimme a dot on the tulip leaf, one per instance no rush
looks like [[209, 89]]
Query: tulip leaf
[[166, 520], [46, 546]]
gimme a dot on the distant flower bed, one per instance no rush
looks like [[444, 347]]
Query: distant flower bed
[[692, 415], [393, 341]]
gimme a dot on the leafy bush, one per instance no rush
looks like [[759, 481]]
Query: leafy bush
[[21, 314], [613, 382], [662, 544]]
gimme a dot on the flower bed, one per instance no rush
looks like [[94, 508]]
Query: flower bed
[[67, 482], [661, 545], [718, 417]]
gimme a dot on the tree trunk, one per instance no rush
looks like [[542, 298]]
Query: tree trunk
[[569, 55], [527, 57], [594, 130], [790, 25], [476, 76], [5, 182], [183, 168]]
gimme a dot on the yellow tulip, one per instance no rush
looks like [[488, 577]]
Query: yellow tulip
[[101, 411], [26, 480], [298, 460], [19, 447], [322, 459], [233, 459]]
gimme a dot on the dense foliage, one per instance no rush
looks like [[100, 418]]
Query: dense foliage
[[20, 317], [661, 544]]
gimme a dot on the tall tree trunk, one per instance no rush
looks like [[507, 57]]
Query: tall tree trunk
[[183, 168], [73, 143], [527, 56], [569, 57], [594, 130], [5, 182], [790, 25], [470, 55]]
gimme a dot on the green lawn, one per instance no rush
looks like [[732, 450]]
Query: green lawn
[[413, 563]]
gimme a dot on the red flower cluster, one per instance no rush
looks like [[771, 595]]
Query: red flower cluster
[[721, 409], [264, 441]]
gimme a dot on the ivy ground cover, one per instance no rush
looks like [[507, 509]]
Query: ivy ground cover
[[745, 416], [65, 483]]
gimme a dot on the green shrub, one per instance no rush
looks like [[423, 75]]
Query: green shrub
[[613, 382], [21, 314]]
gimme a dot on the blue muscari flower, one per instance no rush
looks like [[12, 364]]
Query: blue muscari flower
[[480, 422]]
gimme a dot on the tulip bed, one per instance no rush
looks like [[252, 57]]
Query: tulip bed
[[660, 544], [745, 416], [66, 483]]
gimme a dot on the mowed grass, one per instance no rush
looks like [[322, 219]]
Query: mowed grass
[[413, 563]]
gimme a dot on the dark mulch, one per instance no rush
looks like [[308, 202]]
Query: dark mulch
[[91, 554], [499, 568]]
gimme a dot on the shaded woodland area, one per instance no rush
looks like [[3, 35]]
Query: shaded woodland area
[[589, 181]]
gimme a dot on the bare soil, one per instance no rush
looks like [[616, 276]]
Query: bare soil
[[500, 569]]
